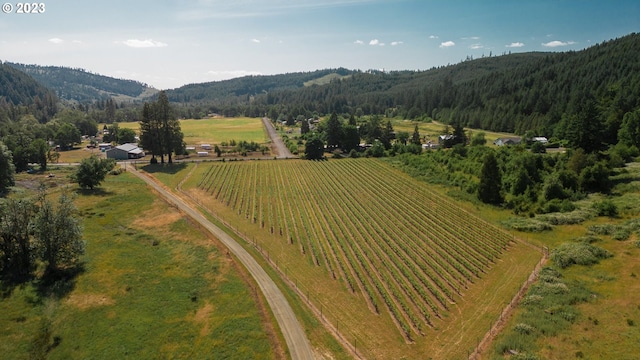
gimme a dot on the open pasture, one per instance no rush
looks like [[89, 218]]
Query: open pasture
[[392, 263], [217, 130], [152, 286]]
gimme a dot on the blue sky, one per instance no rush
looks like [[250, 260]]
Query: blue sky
[[171, 43]]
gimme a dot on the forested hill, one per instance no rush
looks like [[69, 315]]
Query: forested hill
[[20, 93], [82, 86], [509, 92], [18, 88], [241, 89]]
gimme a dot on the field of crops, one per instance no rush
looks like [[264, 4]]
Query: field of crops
[[409, 252]]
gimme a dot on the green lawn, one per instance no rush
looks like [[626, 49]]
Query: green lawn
[[153, 286]]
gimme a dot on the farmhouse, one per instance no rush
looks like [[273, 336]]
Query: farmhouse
[[125, 152], [507, 141], [541, 139]]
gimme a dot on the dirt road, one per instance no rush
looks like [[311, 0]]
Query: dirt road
[[282, 152], [294, 335]]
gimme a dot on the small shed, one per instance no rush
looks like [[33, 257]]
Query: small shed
[[206, 146], [203, 153]]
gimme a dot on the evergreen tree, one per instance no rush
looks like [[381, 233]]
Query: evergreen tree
[[490, 180], [350, 138], [415, 137], [387, 135], [334, 131], [352, 120], [150, 139], [160, 131], [629, 133], [584, 128], [304, 126]]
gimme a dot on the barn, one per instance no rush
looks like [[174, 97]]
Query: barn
[[125, 152]]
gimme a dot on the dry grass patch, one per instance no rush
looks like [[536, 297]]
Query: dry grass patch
[[86, 301]]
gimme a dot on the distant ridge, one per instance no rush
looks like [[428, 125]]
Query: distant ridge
[[81, 86]]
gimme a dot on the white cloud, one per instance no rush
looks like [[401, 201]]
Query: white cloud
[[148, 43], [476, 46], [447, 44], [434, 37], [471, 38], [394, 43], [56, 40], [374, 42], [77, 41], [557, 43], [358, 42], [515, 45], [255, 41]]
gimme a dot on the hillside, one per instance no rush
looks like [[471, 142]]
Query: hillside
[[16, 87], [22, 94], [508, 93], [84, 87], [240, 89]]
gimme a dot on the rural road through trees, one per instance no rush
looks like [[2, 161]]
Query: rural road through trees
[[294, 334], [282, 152]]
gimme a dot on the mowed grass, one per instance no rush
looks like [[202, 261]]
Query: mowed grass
[[217, 130], [153, 286]]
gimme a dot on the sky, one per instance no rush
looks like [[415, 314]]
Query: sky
[[167, 44]]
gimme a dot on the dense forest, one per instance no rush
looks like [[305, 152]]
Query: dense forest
[[511, 92], [80, 85]]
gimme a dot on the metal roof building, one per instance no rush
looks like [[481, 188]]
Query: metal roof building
[[125, 152]]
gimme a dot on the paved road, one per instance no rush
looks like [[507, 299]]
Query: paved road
[[294, 335], [282, 152]]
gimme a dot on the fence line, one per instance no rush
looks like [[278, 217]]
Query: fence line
[[496, 327], [320, 312]]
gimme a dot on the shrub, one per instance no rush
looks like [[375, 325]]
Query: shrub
[[580, 253], [526, 225], [621, 234], [605, 208], [523, 328]]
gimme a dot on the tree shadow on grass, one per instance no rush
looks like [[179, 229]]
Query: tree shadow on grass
[[8, 283], [58, 284], [164, 169], [95, 192]]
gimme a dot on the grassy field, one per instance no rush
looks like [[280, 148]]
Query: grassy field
[[333, 280], [153, 286], [217, 130], [196, 132], [601, 299]]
